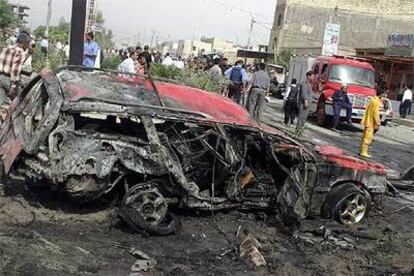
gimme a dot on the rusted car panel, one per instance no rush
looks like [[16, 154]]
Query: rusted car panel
[[87, 133]]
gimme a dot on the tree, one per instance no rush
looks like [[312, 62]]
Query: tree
[[105, 37], [56, 33], [8, 19], [284, 56]]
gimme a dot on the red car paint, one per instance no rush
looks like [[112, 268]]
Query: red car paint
[[338, 156]]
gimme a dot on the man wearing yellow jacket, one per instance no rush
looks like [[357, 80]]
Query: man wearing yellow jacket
[[371, 122]]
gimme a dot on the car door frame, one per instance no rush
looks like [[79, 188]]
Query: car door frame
[[13, 137]]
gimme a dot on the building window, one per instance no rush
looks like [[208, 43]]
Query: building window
[[316, 70]]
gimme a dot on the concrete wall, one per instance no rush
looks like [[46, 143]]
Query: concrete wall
[[300, 24], [189, 48]]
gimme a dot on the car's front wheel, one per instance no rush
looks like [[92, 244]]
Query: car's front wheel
[[144, 208], [347, 203]]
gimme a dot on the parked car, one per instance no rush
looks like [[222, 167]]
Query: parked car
[[87, 133]]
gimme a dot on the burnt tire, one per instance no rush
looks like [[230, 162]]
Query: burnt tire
[[145, 209], [347, 204]]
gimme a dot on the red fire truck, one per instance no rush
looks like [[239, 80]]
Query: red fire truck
[[330, 73]]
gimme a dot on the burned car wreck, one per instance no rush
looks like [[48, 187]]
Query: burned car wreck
[[162, 144]]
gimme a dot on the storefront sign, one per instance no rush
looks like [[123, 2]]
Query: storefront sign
[[400, 45]]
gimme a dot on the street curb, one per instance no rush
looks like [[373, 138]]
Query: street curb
[[404, 122]]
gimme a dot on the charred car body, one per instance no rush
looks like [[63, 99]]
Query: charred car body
[[88, 133]]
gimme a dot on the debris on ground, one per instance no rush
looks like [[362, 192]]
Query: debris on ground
[[249, 248], [144, 262]]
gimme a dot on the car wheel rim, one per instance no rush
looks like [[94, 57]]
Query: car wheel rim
[[353, 209], [149, 204]]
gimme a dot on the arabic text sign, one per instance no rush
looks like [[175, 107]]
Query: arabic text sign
[[331, 39]]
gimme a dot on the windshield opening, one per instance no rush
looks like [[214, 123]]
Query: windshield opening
[[352, 75]]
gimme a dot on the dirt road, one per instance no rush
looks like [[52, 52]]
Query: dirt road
[[41, 234]]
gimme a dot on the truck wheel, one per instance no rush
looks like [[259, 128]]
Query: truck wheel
[[144, 208], [347, 204]]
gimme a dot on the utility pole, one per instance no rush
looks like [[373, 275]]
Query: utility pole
[[48, 16], [77, 32], [250, 32]]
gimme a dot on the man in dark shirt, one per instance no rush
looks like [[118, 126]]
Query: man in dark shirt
[[147, 55], [341, 101], [305, 97]]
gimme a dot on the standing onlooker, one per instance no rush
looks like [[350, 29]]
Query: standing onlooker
[[238, 77], [157, 57], [341, 101], [44, 46], [12, 59], [215, 71], [129, 65], [147, 55], [142, 66], [224, 65], [291, 102], [90, 51], [66, 50], [371, 122], [168, 61], [179, 63], [305, 96], [406, 101], [259, 89], [59, 46]]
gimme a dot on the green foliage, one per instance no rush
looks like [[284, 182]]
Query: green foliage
[[54, 61], [166, 72], [202, 80], [105, 39], [283, 58], [8, 19], [56, 33], [111, 63]]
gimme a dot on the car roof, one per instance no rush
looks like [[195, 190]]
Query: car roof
[[138, 90]]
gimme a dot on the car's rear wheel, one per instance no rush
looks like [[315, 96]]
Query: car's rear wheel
[[144, 208], [347, 204]]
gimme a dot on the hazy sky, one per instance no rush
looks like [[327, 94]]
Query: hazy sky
[[134, 20]]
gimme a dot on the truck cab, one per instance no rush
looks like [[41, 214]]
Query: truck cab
[[330, 73]]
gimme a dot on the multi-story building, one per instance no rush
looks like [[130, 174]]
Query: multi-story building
[[21, 12], [220, 46], [299, 24], [190, 48], [90, 15]]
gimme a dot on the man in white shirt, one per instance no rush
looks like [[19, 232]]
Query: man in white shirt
[[168, 61], [179, 63], [129, 65], [406, 101], [216, 71], [44, 46]]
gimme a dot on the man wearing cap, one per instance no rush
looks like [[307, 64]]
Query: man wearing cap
[[371, 122], [341, 101], [12, 59]]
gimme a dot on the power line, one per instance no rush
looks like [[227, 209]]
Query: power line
[[241, 9]]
